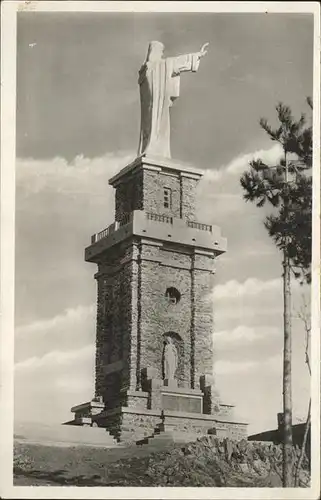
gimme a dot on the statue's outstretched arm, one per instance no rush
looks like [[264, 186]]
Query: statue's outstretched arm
[[188, 62], [203, 51]]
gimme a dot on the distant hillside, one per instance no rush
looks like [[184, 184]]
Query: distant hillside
[[207, 462]]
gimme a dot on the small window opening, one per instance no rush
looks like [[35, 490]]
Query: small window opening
[[167, 198], [172, 295]]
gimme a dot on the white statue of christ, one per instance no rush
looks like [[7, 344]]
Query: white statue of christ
[[159, 81], [170, 359]]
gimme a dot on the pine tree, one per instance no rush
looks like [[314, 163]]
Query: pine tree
[[287, 186]]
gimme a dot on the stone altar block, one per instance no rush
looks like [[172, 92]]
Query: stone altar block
[[180, 399]]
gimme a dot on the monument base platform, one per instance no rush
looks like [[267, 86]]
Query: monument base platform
[[163, 408], [129, 424]]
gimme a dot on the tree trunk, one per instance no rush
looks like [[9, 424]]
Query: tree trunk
[[287, 384], [303, 448]]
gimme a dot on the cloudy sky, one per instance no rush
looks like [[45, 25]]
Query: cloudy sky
[[78, 123]]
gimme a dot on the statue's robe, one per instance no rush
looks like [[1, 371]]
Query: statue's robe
[[159, 86], [170, 361]]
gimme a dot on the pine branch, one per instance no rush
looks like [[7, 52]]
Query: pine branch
[[263, 183]]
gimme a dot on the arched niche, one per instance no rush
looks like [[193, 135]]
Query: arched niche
[[179, 344]]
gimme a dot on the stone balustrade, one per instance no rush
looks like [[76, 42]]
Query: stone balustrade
[[165, 219], [105, 232], [159, 218], [199, 225], [158, 227]]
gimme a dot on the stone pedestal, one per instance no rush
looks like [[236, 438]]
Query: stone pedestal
[[170, 383]]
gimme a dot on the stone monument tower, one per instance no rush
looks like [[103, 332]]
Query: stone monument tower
[[154, 349]]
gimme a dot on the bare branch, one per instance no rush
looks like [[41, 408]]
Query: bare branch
[[305, 318]]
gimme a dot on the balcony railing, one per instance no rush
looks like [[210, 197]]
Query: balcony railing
[[199, 225], [112, 228], [165, 219], [160, 218], [102, 234], [126, 219]]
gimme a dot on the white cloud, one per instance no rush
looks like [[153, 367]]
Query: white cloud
[[274, 363], [220, 194], [68, 319], [243, 333], [223, 367], [47, 387], [46, 390], [248, 312], [252, 286], [76, 177], [211, 176], [260, 250], [59, 205], [55, 358], [69, 384], [68, 331], [270, 156], [241, 163]]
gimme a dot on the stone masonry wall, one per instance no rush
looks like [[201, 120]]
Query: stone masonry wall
[[160, 270], [136, 426], [188, 198], [145, 191], [154, 184], [135, 312], [191, 318], [202, 427], [114, 317], [183, 191], [203, 323], [129, 196], [134, 316], [131, 427], [101, 337]]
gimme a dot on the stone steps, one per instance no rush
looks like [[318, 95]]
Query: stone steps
[[161, 438], [64, 435], [176, 436]]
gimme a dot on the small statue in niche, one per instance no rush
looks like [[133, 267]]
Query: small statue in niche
[[170, 359]]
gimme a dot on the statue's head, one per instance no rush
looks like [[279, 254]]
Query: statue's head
[[155, 51]]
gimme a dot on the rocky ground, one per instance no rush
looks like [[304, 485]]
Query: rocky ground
[[207, 462]]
